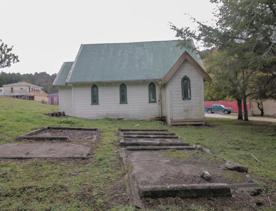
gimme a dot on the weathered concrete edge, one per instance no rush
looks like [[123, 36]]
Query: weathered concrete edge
[[138, 148], [186, 190], [36, 157], [150, 137], [44, 138], [72, 128], [150, 143], [132, 187], [31, 133], [128, 129], [165, 133]]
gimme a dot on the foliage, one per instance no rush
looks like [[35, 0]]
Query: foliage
[[6, 55], [81, 185], [245, 35], [41, 79], [228, 80]]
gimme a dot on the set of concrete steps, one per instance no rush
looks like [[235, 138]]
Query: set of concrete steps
[[151, 139], [144, 149]]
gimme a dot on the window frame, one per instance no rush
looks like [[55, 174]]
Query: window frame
[[152, 89], [97, 95], [188, 95], [123, 87]]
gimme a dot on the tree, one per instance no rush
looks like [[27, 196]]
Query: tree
[[263, 87], [245, 33], [6, 56], [227, 79], [42, 79]]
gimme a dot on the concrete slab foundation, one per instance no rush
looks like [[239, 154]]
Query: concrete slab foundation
[[43, 150], [52, 142], [169, 167]]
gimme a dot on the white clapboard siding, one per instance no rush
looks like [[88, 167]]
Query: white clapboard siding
[[65, 100], [138, 106], [179, 109]]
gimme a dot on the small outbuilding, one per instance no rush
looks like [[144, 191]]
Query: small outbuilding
[[25, 90], [140, 80]]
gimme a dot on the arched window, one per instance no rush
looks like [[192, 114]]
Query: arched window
[[152, 93], [94, 95], [186, 88], [123, 94]]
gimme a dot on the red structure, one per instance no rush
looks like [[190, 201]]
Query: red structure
[[227, 103]]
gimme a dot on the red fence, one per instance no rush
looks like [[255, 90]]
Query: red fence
[[226, 103]]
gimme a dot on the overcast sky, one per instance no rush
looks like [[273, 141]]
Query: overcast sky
[[47, 32]]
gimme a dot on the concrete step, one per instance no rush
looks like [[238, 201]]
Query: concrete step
[[138, 148], [150, 136], [142, 142], [148, 133], [125, 130], [186, 190]]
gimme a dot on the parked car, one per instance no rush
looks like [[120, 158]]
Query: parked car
[[218, 108]]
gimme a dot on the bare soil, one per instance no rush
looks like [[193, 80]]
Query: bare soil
[[76, 136], [44, 150], [79, 145]]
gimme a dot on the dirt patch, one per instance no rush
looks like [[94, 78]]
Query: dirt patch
[[43, 150], [52, 143], [78, 135]]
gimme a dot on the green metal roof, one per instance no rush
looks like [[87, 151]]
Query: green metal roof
[[60, 80], [125, 61]]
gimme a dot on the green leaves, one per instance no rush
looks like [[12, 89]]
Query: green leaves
[[6, 56]]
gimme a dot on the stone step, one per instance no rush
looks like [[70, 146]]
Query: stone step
[[124, 130], [186, 190], [138, 148], [148, 133], [150, 136], [152, 143]]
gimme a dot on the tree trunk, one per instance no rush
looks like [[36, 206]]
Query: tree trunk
[[239, 103], [245, 111], [261, 107]]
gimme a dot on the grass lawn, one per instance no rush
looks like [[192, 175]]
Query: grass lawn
[[98, 184]]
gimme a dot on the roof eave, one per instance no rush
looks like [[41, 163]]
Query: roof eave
[[111, 81], [185, 57]]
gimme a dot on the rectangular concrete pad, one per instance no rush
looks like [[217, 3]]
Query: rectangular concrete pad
[[154, 174], [43, 150]]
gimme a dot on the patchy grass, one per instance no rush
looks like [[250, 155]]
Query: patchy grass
[[96, 184], [195, 155], [240, 142]]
